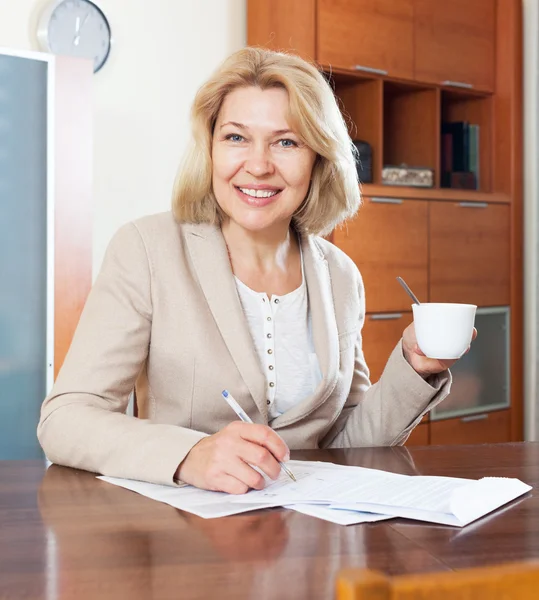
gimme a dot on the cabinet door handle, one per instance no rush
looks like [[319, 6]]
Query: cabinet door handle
[[473, 204], [370, 70], [381, 200], [459, 84], [385, 316], [471, 418]]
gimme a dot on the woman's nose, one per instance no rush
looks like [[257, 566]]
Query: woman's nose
[[259, 161]]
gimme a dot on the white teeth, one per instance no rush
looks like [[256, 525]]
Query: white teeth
[[259, 193]]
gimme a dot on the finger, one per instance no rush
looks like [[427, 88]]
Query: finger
[[474, 334], [261, 457], [265, 436], [245, 474], [418, 350], [229, 484], [446, 365]]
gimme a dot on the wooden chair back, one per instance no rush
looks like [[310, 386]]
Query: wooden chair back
[[517, 581]]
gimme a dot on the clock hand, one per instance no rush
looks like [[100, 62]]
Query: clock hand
[[78, 27], [84, 20]]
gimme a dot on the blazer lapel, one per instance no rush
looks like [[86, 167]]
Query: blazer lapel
[[209, 254], [325, 332]]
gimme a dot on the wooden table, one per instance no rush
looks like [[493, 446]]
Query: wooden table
[[65, 534]]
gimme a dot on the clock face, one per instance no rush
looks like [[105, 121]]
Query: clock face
[[76, 28]]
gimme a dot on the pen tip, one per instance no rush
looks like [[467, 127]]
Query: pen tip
[[225, 393]]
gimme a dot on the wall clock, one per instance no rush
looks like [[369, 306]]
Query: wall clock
[[75, 28]]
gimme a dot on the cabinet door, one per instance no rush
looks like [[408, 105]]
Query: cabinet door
[[419, 436], [481, 377], [282, 25], [454, 42], [366, 35], [488, 428], [381, 333], [469, 253], [388, 238]]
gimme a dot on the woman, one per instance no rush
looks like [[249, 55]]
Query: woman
[[235, 290]]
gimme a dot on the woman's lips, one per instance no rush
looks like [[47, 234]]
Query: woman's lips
[[256, 202]]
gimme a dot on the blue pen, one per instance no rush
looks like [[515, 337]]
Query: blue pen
[[245, 418]]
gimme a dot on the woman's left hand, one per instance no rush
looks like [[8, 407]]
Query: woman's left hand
[[418, 361]]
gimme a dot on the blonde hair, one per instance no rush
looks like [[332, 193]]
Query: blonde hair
[[333, 195]]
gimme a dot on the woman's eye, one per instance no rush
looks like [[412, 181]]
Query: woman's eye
[[234, 137], [288, 143]]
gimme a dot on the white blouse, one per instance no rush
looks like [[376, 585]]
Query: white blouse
[[281, 330]]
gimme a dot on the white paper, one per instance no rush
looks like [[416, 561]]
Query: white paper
[[203, 503], [348, 495], [340, 517], [485, 495], [440, 500], [446, 500]]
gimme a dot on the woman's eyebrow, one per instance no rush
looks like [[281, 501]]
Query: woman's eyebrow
[[244, 127]]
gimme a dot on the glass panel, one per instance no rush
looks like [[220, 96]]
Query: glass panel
[[23, 253], [481, 377]]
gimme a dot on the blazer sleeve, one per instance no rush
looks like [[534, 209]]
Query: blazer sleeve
[[384, 414], [83, 422]]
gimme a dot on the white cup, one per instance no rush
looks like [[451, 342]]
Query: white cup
[[443, 330]]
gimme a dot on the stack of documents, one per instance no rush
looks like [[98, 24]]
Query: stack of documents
[[348, 495]]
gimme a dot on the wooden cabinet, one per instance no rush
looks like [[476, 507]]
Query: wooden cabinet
[[367, 35], [426, 40], [419, 436], [399, 69], [487, 428], [455, 42], [388, 239], [381, 332], [283, 25], [469, 253]]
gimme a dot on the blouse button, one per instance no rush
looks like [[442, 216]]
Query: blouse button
[[268, 402], [270, 367], [269, 318], [269, 335], [270, 351], [276, 300], [271, 384]]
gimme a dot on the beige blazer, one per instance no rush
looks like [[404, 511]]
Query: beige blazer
[[164, 309]]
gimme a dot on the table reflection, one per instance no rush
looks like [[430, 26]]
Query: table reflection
[[113, 542], [144, 548]]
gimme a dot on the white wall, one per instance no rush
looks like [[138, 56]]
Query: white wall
[[531, 219], [163, 50]]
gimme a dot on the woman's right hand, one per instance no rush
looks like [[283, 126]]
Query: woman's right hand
[[221, 462]]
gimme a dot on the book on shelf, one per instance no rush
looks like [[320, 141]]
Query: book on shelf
[[460, 155]]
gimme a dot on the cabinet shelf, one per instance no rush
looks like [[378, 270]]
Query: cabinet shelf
[[436, 193]]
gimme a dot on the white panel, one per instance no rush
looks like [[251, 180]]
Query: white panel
[[531, 225]]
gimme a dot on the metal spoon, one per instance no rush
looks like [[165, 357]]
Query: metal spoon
[[408, 290]]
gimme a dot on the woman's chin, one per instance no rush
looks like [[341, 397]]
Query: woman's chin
[[260, 223]]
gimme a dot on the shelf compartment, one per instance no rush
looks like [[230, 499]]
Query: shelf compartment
[[411, 126], [361, 103], [474, 109]]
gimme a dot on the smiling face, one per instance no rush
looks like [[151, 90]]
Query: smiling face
[[261, 168]]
